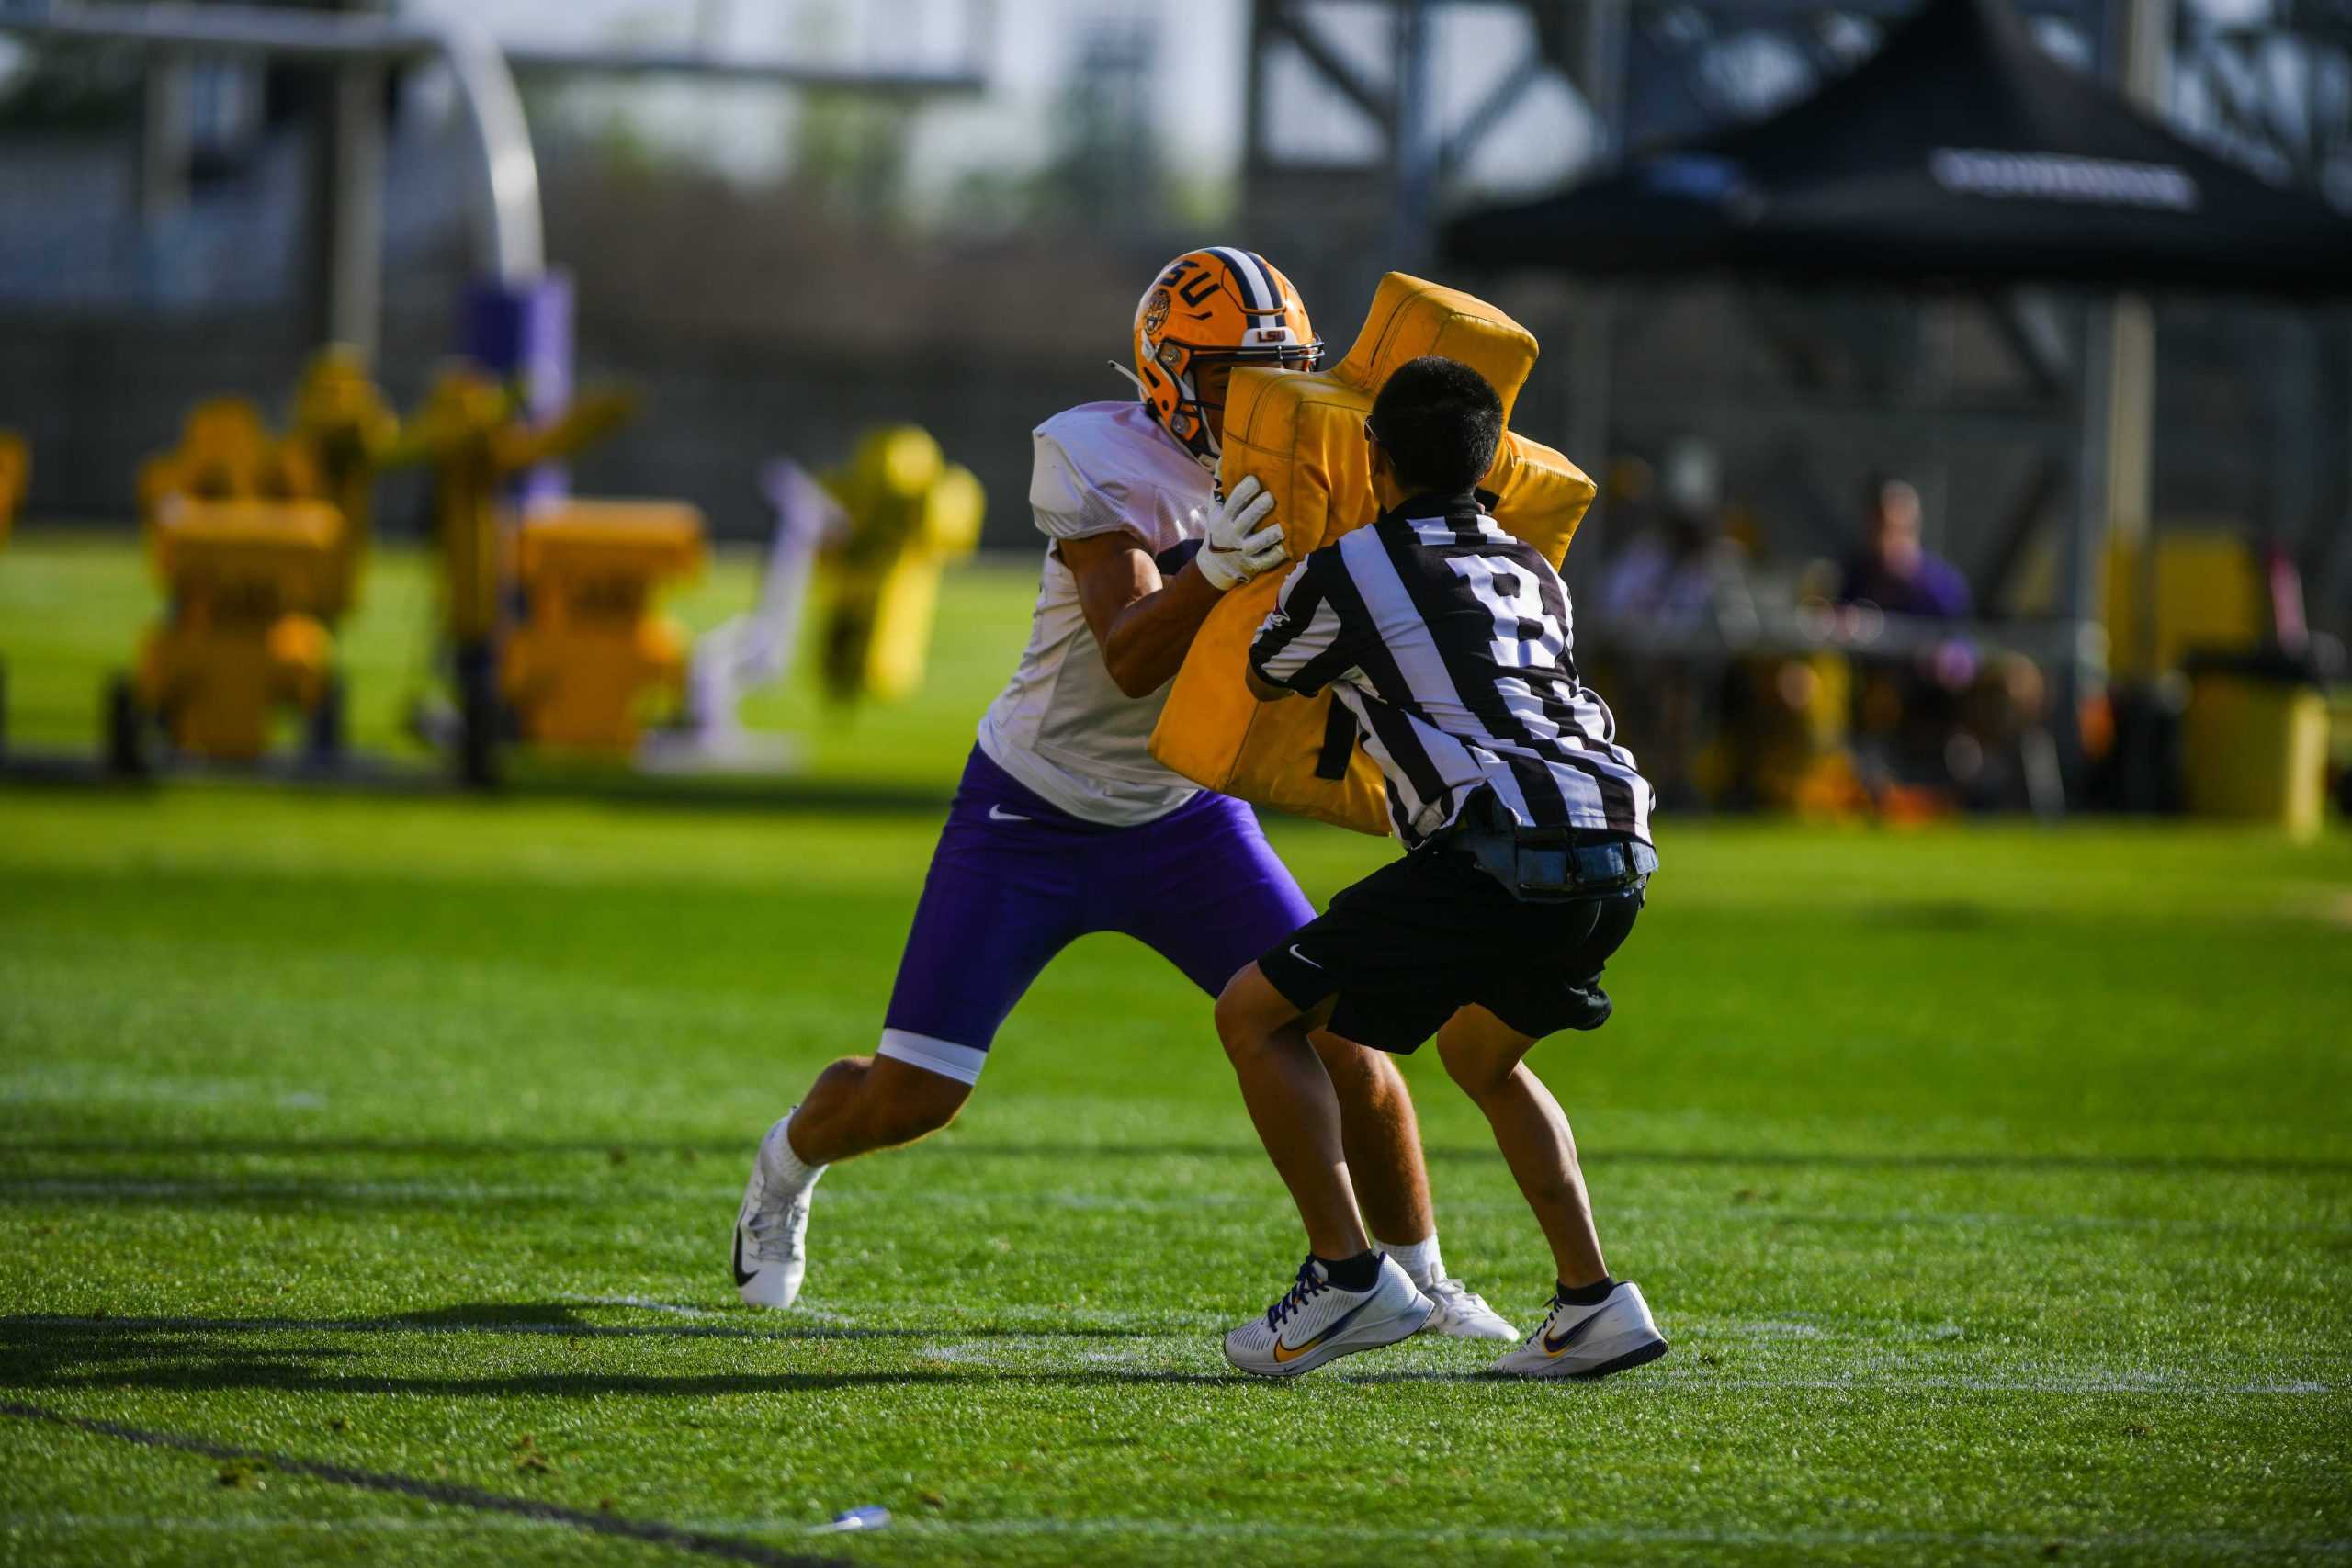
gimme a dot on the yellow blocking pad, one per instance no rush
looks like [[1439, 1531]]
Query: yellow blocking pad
[[1301, 435], [247, 581], [590, 653]]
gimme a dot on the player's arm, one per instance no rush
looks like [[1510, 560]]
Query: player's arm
[[1143, 622]]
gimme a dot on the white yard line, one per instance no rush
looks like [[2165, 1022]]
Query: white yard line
[[425, 1192], [1595, 1535], [1899, 1382], [69, 1085], [1037, 1345], [2211, 1542], [677, 1309], [184, 1525]]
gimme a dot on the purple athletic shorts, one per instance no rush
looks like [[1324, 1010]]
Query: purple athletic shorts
[[1015, 880]]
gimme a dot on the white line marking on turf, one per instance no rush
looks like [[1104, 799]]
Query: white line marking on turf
[[907, 1319], [188, 1524], [1159, 1339], [678, 1309], [2205, 1541], [429, 1192], [1769, 1330], [1604, 1535], [1636, 1535], [2141, 1385], [66, 1085]]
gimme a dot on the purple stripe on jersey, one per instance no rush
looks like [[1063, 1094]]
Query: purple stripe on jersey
[[1015, 880]]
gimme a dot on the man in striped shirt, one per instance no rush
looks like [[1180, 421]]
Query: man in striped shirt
[[1528, 836]]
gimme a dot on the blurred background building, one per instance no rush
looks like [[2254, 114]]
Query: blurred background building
[[788, 220]]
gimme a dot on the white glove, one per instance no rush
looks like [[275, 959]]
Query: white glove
[[1236, 550]]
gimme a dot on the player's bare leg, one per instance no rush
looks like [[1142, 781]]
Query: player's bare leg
[[1382, 1136], [1347, 1297], [1295, 1107], [1595, 1325], [861, 1104], [856, 1106]]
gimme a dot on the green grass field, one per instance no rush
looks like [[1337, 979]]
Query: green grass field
[[366, 1163]]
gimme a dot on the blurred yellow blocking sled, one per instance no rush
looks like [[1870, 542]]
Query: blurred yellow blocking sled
[[1301, 435], [909, 513], [253, 561], [250, 584], [592, 654]]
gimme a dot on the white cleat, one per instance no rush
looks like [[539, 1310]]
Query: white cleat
[[1462, 1314], [772, 1233], [1589, 1342], [1318, 1322]]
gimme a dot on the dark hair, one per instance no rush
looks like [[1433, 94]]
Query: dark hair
[[1441, 422]]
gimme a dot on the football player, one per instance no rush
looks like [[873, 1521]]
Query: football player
[[1064, 824]]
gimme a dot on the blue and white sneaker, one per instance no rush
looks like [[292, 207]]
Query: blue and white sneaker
[[1589, 1341], [1318, 1322], [772, 1230]]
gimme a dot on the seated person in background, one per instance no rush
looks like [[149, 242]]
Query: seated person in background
[[1908, 707], [1664, 575], [1893, 571]]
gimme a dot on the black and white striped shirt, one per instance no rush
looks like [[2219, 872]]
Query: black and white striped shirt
[[1448, 639]]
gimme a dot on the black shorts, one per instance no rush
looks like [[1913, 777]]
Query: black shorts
[[1430, 934]]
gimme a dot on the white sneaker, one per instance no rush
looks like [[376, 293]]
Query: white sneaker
[[1589, 1342], [1462, 1314], [772, 1233], [1318, 1322]]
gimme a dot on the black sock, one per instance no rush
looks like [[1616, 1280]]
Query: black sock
[[1590, 1295], [1357, 1273]]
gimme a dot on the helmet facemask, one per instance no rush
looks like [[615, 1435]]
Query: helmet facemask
[[1190, 423]]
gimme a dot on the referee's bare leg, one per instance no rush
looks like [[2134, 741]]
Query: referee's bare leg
[[1484, 1054], [1291, 1101], [1382, 1138]]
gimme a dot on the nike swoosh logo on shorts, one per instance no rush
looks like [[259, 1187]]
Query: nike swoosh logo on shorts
[[1303, 958], [1285, 1354], [742, 1279], [999, 814]]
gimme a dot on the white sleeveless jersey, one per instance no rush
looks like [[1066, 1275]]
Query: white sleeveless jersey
[[1061, 725]]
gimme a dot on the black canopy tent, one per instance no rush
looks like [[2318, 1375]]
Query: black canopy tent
[[1959, 155], [1960, 152]]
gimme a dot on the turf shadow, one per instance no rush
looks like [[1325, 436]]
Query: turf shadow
[[442, 1492], [560, 1320], [158, 1355], [169, 1364]]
